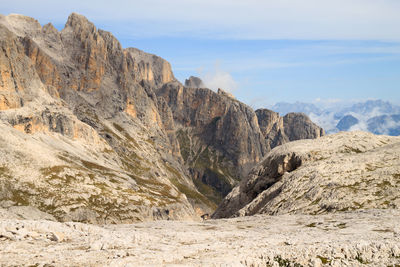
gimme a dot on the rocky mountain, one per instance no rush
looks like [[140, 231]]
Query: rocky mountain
[[347, 122], [370, 106], [375, 116], [79, 116], [339, 172], [278, 130], [93, 132], [194, 82], [221, 139], [385, 124]]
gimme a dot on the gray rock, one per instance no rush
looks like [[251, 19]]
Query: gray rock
[[108, 134], [355, 238], [194, 82], [339, 172]]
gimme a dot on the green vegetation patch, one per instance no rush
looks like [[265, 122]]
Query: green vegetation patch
[[324, 260], [4, 172], [341, 225], [184, 144], [312, 225], [190, 193], [131, 140], [360, 259], [348, 149], [94, 166], [286, 262], [208, 191]]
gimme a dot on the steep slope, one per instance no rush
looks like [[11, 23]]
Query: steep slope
[[344, 171], [93, 134], [219, 137], [108, 134], [291, 127]]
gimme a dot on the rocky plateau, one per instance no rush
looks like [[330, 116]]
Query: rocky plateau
[[339, 172], [106, 159], [356, 238]]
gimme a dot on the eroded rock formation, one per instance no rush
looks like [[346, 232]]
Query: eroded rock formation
[[341, 172], [108, 134]]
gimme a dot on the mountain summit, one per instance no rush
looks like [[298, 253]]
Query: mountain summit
[[93, 132]]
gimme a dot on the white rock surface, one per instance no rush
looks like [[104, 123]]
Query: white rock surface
[[357, 238], [339, 172]]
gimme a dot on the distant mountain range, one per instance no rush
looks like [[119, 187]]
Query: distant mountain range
[[375, 116]]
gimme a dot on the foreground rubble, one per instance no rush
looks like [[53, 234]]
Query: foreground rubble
[[358, 238]]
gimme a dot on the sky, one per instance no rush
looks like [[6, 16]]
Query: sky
[[318, 51]]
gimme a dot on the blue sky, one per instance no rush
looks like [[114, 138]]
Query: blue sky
[[263, 51]]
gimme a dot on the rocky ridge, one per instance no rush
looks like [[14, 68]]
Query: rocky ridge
[[340, 172], [93, 130], [108, 134], [221, 139], [278, 130]]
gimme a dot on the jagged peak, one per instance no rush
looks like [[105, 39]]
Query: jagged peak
[[225, 93], [142, 55], [21, 25], [49, 27], [265, 110], [297, 114], [194, 82], [76, 20]]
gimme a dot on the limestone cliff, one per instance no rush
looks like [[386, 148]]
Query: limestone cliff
[[221, 139], [96, 140], [291, 127], [340, 172], [108, 134], [194, 82]]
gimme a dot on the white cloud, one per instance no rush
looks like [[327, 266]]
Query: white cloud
[[361, 126], [218, 78], [251, 19], [326, 120]]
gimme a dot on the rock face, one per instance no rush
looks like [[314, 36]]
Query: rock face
[[194, 82], [108, 134], [96, 140], [293, 126], [219, 137], [340, 172]]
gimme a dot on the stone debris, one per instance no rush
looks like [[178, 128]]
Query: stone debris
[[357, 238]]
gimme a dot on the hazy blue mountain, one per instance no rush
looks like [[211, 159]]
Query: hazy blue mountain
[[385, 124], [376, 116], [284, 108], [369, 106], [346, 122]]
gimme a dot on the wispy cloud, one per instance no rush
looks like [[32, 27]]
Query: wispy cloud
[[218, 78], [251, 19]]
